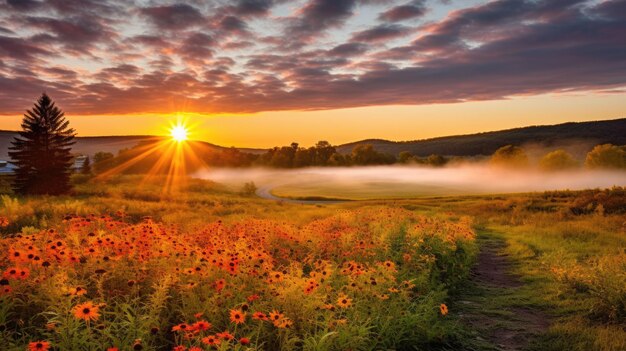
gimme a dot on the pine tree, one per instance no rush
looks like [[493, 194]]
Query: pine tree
[[42, 150]]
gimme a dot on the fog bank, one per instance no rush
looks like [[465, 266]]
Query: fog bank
[[406, 181]]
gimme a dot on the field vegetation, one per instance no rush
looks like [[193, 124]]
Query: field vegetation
[[117, 267], [122, 265]]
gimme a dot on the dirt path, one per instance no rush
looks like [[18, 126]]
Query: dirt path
[[495, 304], [265, 191]]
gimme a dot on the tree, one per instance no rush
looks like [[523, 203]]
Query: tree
[[323, 151], [86, 166], [405, 157], [248, 189], [557, 160], [42, 150], [510, 156], [436, 160], [102, 161], [606, 156]]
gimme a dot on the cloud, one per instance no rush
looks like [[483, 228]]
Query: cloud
[[78, 35], [172, 17], [117, 57], [348, 49], [381, 32], [318, 15], [403, 12], [20, 49]]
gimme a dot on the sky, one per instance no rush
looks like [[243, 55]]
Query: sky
[[259, 73]]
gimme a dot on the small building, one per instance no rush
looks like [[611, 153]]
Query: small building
[[79, 163], [7, 167]]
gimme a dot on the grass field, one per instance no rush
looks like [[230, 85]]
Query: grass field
[[123, 265]]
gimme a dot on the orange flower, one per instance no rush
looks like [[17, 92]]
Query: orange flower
[[390, 266], [244, 341], [344, 302], [329, 307], [113, 349], [220, 284], [237, 316], [201, 325], [179, 348], [181, 327], [259, 316], [275, 316], [275, 277], [38, 346], [211, 340], [284, 322], [444, 309], [77, 291], [16, 273], [87, 311], [225, 335]]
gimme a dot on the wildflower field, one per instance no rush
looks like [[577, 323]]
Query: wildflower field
[[119, 265], [374, 277]]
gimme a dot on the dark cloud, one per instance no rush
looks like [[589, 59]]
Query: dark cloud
[[24, 4], [232, 24], [77, 35], [381, 32], [252, 7], [319, 15], [349, 49], [403, 12], [20, 49], [178, 16]]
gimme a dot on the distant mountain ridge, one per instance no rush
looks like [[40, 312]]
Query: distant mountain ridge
[[577, 137], [572, 135]]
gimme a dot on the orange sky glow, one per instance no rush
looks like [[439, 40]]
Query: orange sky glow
[[267, 129]]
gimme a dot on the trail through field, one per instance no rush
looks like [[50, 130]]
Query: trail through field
[[495, 305]]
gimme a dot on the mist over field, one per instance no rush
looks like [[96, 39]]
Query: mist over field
[[406, 181]]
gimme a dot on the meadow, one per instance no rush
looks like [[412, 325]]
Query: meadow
[[121, 265]]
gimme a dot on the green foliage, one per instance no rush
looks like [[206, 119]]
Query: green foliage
[[558, 160], [365, 154], [510, 156], [249, 189], [103, 161], [606, 156]]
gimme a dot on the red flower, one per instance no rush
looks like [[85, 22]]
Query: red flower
[[39, 346]]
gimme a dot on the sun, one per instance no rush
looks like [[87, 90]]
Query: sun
[[179, 133]]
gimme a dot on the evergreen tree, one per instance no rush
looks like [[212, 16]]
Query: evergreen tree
[[42, 151], [86, 166]]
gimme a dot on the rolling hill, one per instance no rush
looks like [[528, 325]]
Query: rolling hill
[[577, 137]]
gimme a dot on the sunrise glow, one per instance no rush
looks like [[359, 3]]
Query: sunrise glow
[[179, 133]]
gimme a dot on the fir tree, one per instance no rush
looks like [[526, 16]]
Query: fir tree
[[42, 151]]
